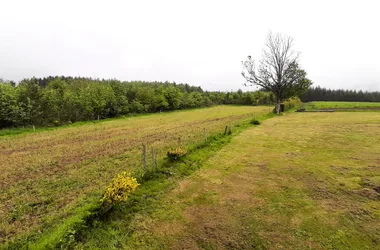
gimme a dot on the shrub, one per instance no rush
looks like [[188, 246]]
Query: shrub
[[119, 190], [255, 122], [292, 103], [176, 153], [289, 104]]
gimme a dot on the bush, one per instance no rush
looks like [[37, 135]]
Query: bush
[[119, 190], [176, 153], [289, 104], [255, 122], [292, 103]]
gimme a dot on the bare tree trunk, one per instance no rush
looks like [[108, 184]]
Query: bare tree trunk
[[278, 70], [278, 106]]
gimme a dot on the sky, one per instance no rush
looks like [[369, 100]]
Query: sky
[[201, 43]]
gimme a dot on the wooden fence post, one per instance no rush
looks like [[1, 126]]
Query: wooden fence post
[[205, 133], [153, 160], [144, 156], [179, 141], [225, 130]]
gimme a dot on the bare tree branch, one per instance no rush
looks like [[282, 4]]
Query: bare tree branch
[[279, 70]]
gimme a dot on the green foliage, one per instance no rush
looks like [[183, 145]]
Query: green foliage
[[255, 121], [63, 100], [65, 233], [9, 108], [323, 94], [291, 103]]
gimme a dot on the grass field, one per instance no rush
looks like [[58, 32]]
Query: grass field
[[343, 105], [51, 176], [298, 181]]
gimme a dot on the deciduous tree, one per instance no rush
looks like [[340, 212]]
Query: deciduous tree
[[278, 70]]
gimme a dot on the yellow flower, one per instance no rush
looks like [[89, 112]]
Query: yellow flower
[[119, 190], [176, 153]]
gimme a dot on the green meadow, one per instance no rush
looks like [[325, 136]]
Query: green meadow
[[289, 181], [297, 181], [362, 106]]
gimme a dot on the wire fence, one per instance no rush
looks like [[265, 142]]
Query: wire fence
[[153, 152]]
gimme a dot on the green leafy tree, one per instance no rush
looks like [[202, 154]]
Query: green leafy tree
[[55, 105], [121, 105], [30, 102], [99, 97], [159, 103], [59, 99], [9, 108], [173, 96]]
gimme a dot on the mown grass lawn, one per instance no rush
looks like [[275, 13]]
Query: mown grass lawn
[[343, 105], [298, 181], [52, 175]]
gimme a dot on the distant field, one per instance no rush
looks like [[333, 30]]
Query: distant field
[[46, 175], [298, 181], [343, 105]]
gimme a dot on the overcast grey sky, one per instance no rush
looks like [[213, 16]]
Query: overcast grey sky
[[198, 42]]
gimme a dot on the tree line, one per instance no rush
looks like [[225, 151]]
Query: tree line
[[323, 94], [57, 100]]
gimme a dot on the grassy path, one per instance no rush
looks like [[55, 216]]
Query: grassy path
[[299, 181]]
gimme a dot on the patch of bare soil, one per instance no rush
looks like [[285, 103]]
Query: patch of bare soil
[[369, 193]]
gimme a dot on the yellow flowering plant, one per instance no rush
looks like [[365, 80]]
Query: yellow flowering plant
[[176, 153], [119, 190]]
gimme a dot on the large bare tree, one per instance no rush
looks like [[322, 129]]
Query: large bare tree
[[278, 70]]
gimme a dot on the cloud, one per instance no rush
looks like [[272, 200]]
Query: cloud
[[198, 42]]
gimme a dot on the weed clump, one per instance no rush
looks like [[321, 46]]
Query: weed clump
[[255, 122], [119, 190], [176, 153]]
